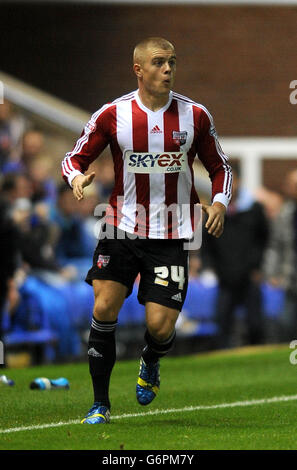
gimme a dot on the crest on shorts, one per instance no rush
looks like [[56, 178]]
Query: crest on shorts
[[103, 261], [179, 137]]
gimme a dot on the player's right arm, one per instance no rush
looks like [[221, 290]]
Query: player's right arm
[[79, 182], [93, 140]]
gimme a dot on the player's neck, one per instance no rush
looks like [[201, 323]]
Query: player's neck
[[153, 102]]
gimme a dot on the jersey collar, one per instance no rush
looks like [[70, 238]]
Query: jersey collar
[[149, 111]]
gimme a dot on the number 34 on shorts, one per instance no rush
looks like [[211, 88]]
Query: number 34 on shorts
[[177, 274]]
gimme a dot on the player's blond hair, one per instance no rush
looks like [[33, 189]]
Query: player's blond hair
[[141, 48]]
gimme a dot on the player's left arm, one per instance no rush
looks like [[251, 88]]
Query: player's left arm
[[216, 217], [216, 163]]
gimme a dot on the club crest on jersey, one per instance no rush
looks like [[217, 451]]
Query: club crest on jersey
[[103, 261], [90, 127], [179, 137], [154, 162]]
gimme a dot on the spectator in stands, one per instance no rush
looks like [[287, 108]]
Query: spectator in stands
[[36, 184], [72, 247], [236, 258], [89, 221], [9, 259], [46, 285], [280, 263], [5, 134], [35, 234], [40, 284], [194, 266], [15, 186], [12, 127], [271, 201], [18, 187], [44, 187], [32, 147]]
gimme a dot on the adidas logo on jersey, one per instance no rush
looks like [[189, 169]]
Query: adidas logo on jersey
[[156, 130], [177, 297]]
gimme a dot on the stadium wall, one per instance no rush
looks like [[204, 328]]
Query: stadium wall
[[238, 61]]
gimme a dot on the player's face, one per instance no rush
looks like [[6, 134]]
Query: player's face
[[158, 70]]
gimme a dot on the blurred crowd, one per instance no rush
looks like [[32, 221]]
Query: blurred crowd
[[47, 242], [47, 237]]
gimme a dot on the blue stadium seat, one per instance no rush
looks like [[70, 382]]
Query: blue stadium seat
[[132, 312], [79, 298], [199, 306], [200, 301], [206, 329], [29, 326], [273, 300], [51, 312]]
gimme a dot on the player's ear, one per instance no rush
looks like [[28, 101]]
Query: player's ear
[[137, 70]]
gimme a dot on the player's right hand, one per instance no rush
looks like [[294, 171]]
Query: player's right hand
[[79, 183]]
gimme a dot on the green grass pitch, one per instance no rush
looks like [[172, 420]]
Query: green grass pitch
[[201, 381]]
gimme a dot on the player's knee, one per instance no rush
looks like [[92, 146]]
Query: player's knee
[[161, 329], [104, 309]]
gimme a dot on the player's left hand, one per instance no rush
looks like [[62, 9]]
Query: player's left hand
[[215, 220]]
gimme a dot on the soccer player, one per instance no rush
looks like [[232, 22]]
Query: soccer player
[[154, 135]]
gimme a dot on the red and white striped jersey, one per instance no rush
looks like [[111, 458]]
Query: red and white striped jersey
[[153, 154]]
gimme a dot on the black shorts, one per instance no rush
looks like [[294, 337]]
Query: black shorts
[[162, 265]]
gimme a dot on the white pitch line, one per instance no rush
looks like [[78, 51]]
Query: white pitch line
[[261, 401]]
